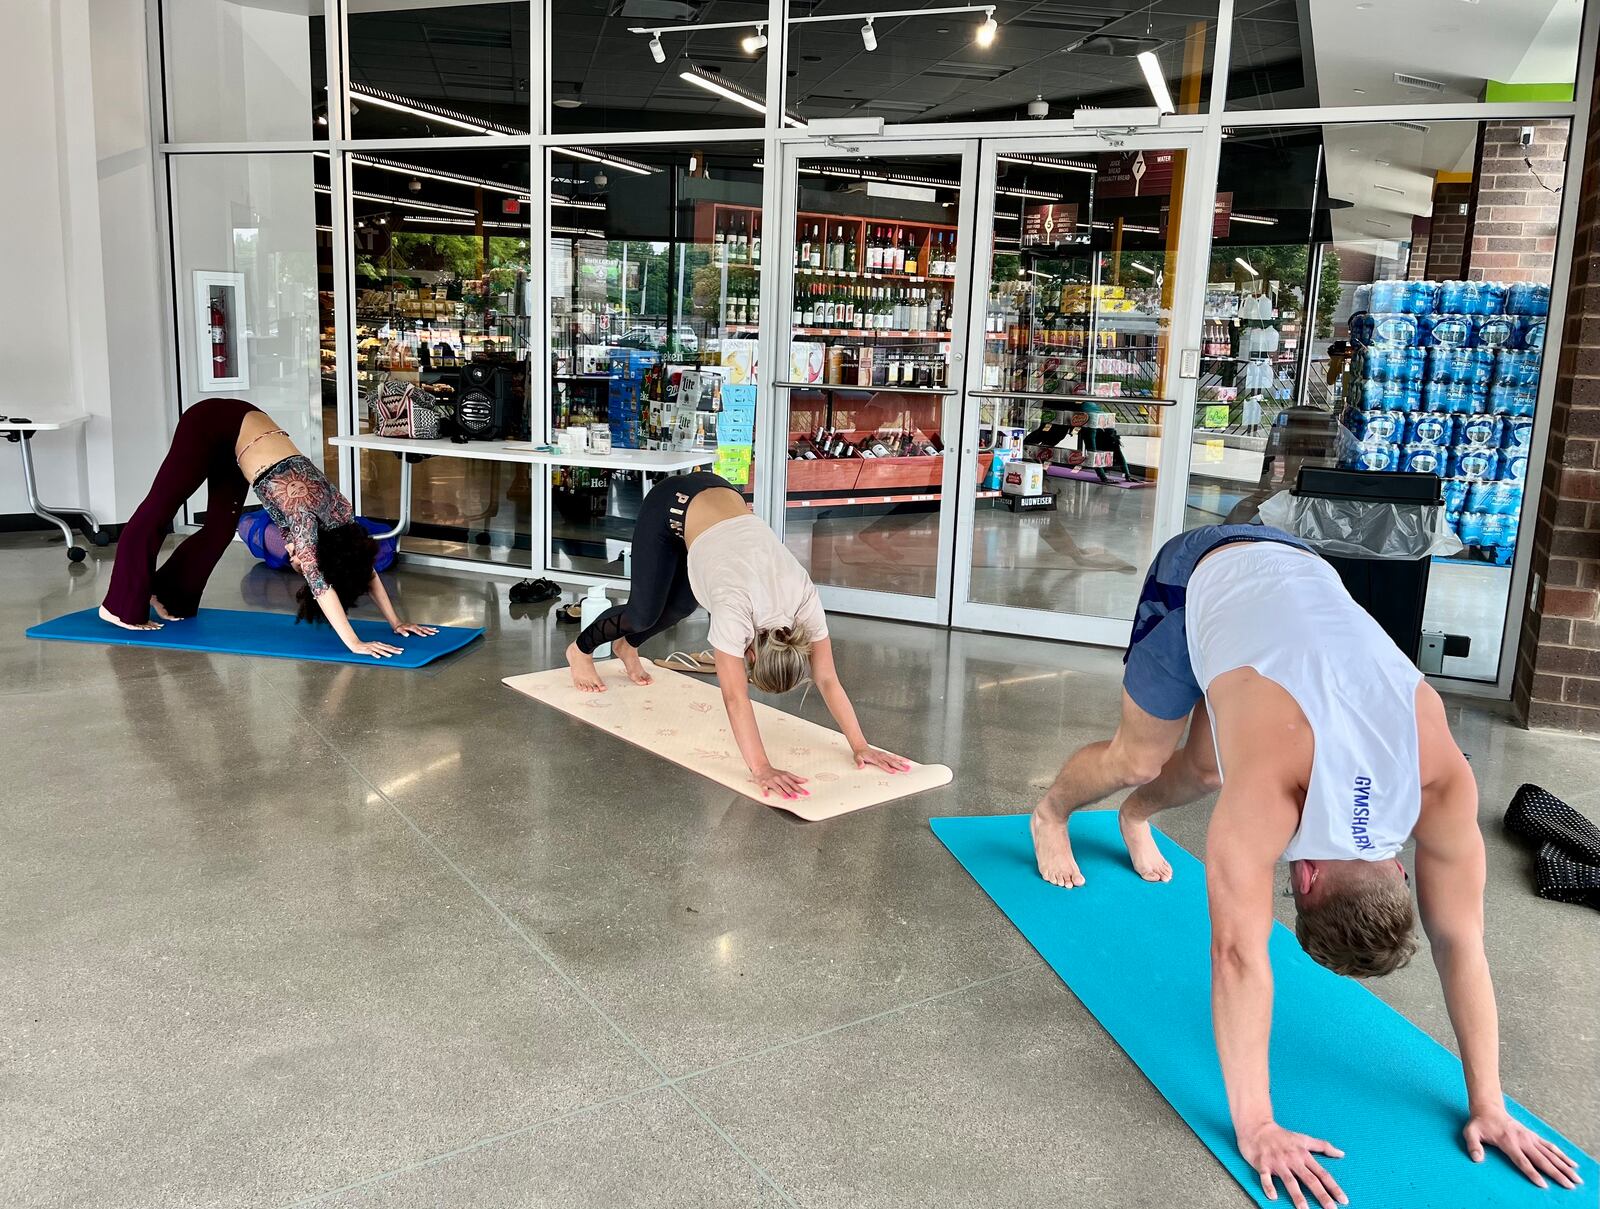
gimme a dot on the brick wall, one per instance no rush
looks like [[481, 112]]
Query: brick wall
[[1447, 232], [1558, 663], [1518, 206], [1417, 265]]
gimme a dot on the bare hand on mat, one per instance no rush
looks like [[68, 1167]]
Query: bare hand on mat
[[872, 757], [1276, 1152], [378, 650], [404, 628], [785, 784], [1531, 1154]]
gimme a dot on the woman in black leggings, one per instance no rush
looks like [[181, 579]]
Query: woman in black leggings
[[696, 543]]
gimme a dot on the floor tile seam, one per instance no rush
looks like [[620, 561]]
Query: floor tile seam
[[728, 1141], [897, 1009], [504, 916], [466, 1148]]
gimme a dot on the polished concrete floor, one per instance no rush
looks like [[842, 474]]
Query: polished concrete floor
[[278, 933]]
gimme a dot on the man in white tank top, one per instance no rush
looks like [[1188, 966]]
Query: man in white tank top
[[1330, 752]]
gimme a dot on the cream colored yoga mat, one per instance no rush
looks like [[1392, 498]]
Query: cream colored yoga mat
[[680, 718]]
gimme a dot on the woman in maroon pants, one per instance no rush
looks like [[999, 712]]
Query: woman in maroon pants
[[232, 446]]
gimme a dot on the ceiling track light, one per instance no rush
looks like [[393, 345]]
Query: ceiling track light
[[984, 35], [987, 31]]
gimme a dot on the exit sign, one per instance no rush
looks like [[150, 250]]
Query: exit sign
[[511, 205]]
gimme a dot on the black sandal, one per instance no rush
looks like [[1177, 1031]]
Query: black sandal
[[532, 591], [570, 613]]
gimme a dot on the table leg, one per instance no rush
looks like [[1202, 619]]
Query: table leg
[[75, 553], [402, 525]]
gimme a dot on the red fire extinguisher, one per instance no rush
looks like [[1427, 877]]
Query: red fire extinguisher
[[221, 363]]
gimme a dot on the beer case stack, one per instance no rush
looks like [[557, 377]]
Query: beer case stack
[[1444, 380]]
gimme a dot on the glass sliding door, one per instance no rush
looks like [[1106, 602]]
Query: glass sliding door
[[871, 370], [1073, 383]]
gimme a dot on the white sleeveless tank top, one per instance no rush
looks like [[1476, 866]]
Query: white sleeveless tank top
[[1284, 612]]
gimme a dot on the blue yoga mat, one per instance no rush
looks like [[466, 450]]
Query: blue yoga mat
[[1345, 1065], [246, 632]]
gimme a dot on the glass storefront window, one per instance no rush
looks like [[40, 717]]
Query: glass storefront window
[[1032, 62], [442, 300], [252, 307], [1385, 311], [439, 71], [1288, 54], [605, 77], [655, 263], [250, 70]]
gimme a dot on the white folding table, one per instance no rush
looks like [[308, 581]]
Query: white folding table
[[647, 461], [19, 431]]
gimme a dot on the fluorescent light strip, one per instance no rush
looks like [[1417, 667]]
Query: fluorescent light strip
[[463, 222], [608, 161], [1040, 161], [1246, 266], [414, 109], [404, 203], [449, 178], [1257, 219], [578, 231], [1144, 268], [701, 78], [573, 203], [1156, 81]]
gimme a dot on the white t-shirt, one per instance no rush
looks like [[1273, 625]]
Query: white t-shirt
[[1284, 612], [748, 581]]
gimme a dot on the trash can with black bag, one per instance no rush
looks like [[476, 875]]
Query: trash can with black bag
[[1380, 530]]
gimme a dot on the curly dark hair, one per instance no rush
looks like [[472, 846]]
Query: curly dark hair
[[345, 554]]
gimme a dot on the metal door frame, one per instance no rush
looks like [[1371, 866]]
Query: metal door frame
[[772, 487], [1188, 296]]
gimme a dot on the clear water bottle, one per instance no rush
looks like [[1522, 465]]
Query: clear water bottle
[[594, 603]]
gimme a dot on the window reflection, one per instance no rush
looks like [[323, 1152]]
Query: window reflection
[[655, 265], [442, 302]]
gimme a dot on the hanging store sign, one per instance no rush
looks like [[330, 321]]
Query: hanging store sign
[[1136, 173], [1047, 226]]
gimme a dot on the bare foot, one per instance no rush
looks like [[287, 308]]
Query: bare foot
[[1148, 862], [630, 660], [583, 673], [1053, 851], [161, 611], [107, 615]]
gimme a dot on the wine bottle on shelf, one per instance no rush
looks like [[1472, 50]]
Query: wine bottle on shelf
[[803, 249], [755, 241], [737, 247], [849, 264], [874, 251], [816, 246], [719, 239], [911, 253], [755, 308]]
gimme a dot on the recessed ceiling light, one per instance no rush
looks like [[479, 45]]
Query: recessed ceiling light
[[1360, 92], [1353, 150]]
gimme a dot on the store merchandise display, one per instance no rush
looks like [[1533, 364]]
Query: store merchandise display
[[1444, 380]]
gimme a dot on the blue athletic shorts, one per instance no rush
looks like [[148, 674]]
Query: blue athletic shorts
[[1157, 673]]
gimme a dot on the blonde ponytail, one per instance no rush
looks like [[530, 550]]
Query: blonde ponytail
[[782, 659]]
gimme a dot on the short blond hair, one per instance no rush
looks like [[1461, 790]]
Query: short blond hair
[[1362, 930], [782, 659]]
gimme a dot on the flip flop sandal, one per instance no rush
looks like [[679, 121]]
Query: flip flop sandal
[[702, 662], [571, 612]]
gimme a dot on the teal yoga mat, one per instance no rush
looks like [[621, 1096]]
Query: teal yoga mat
[[246, 632], [1345, 1066]]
